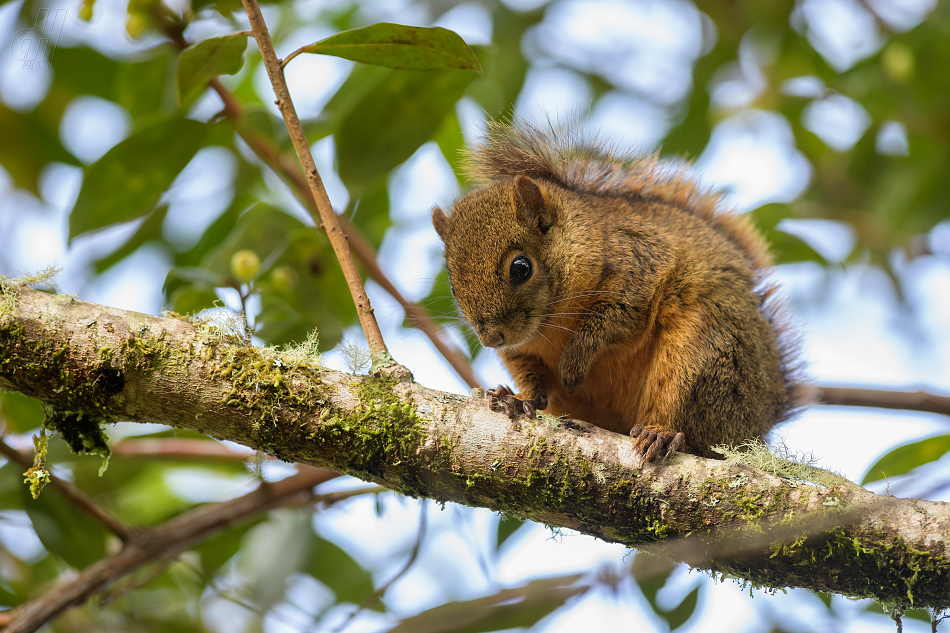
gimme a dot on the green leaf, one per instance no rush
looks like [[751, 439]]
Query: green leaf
[[394, 114], [337, 570], [370, 212], [785, 247], [498, 88], [907, 457], [272, 551], [30, 142], [217, 232], [200, 277], [508, 609], [400, 46], [221, 548], [21, 413], [64, 530], [130, 179], [451, 143], [188, 299], [689, 136], [83, 70], [144, 87], [656, 575], [655, 579], [11, 487], [225, 7], [139, 491], [199, 63], [151, 230], [677, 616], [507, 526]]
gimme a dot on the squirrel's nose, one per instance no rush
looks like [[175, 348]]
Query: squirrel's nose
[[490, 336]]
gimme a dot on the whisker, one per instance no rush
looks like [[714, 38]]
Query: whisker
[[591, 293], [557, 314], [554, 326], [541, 334]]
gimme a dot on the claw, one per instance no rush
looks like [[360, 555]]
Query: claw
[[513, 405], [651, 442], [675, 444]]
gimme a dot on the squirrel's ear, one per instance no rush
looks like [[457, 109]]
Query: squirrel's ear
[[530, 206], [441, 222]]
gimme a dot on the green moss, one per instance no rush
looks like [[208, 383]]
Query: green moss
[[882, 563], [385, 436], [8, 297], [8, 287], [750, 507], [145, 354], [38, 475], [262, 387], [79, 401], [83, 433]]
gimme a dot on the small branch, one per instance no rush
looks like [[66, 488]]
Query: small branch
[[360, 247], [329, 498], [286, 60], [905, 400], [414, 311], [375, 597], [177, 448], [374, 337], [163, 543], [74, 495]]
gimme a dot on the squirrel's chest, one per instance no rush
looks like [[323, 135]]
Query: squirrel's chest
[[609, 396]]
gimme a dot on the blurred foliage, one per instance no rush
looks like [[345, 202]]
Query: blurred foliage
[[890, 190]]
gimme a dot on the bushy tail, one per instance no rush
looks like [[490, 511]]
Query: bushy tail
[[800, 391]]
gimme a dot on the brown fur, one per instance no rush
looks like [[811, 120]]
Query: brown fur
[[645, 305]]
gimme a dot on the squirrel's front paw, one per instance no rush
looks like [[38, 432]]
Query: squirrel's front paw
[[651, 441], [573, 368], [505, 398]]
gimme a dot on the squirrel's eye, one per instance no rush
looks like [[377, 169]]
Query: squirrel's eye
[[520, 270]]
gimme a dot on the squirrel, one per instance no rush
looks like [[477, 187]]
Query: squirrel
[[618, 292]]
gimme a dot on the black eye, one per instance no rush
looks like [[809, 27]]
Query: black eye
[[520, 270]]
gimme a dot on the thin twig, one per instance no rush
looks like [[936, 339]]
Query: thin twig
[[375, 597], [286, 60], [906, 400], [179, 448], [364, 310], [359, 245], [163, 543], [413, 554], [329, 498], [74, 495], [414, 312]]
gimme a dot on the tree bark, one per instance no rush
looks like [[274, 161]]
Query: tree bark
[[99, 364]]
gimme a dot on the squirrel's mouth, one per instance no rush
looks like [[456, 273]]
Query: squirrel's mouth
[[507, 336]]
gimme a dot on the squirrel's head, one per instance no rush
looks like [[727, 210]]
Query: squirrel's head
[[497, 253]]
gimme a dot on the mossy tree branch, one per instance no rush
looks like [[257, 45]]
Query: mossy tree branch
[[110, 364]]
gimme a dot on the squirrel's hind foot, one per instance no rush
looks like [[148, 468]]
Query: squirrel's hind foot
[[513, 405], [651, 441]]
